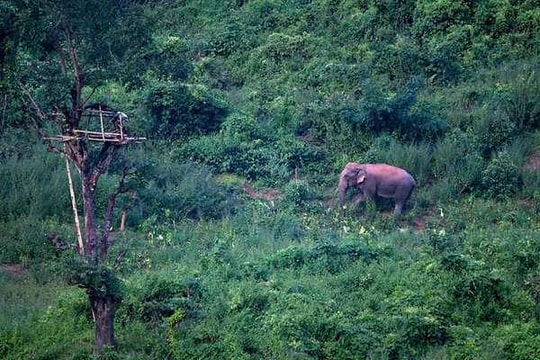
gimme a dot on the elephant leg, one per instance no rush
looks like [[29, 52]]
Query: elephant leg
[[361, 197], [398, 208]]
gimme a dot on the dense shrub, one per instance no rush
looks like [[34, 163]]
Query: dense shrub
[[501, 177], [155, 297], [399, 59], [26, 241], [518, 94], [297, 195], [458, 163], [167, 57], [494, 131], [245, 128], [63, 328], [323, 257], [517, 341], [34, 187], [399, 114], [15, 142], [531, 183], [249, 149], [179, 111], [184, 190], [335, 76], [247, 159]]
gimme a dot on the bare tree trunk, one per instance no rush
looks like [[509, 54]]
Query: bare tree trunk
[[102, 301], [101, 293], [90, 221], [103, 310]]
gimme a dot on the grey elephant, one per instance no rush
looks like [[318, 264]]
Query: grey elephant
[[372, 180]]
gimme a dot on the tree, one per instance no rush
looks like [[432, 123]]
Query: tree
[[67, 50]]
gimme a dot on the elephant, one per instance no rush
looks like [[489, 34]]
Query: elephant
[[383, 180]]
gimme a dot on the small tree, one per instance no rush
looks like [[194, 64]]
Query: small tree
[[67, 50]]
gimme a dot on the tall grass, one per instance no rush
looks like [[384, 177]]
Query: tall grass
[[35, 187], [17, 284], [457, 165], [415, 158]]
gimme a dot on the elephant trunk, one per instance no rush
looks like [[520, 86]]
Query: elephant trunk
[[342, 189]]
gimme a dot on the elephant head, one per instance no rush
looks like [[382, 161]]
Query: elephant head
[[350, 176], [372, 180]]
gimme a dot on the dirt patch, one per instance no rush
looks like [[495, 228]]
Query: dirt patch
[[419, 224], [533, 161], [15, 270]]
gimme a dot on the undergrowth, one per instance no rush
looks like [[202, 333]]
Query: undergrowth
[[338, 287]]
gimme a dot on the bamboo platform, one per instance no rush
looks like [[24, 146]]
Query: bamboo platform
[[118, 138], [108, 128]]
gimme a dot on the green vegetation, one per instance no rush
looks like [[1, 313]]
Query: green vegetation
[[234, 246]]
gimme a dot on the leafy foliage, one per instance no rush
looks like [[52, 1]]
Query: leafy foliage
[[501, 178], [179, 111], [399, 115], [156, 298], [188, 190], [249, 149]]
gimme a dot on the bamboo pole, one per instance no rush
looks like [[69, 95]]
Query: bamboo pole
[[101, 121], [74, 206], [123, 216], [121, 127]]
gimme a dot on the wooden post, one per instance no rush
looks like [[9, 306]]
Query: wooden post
[[101, 121], [121, 126], [74, 205], [123, 216]]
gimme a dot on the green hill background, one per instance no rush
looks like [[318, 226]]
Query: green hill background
[[235, 246]]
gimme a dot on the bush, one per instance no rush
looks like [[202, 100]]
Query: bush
[[185, 190], [249, 149], [24, 241], [155, 297], [501, 177], [34, 187], [457, 163], [324, 257], [64, 328], [518, 94], [401, 114], [179, 111], [494, 131], [297, 194], [242, 127], [250, 159], [520, 341], [531, 183]]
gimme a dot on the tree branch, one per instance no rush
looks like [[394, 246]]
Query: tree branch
[[76, 93], [42, 116], [102, 163], [35, 105], [77, 153]]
